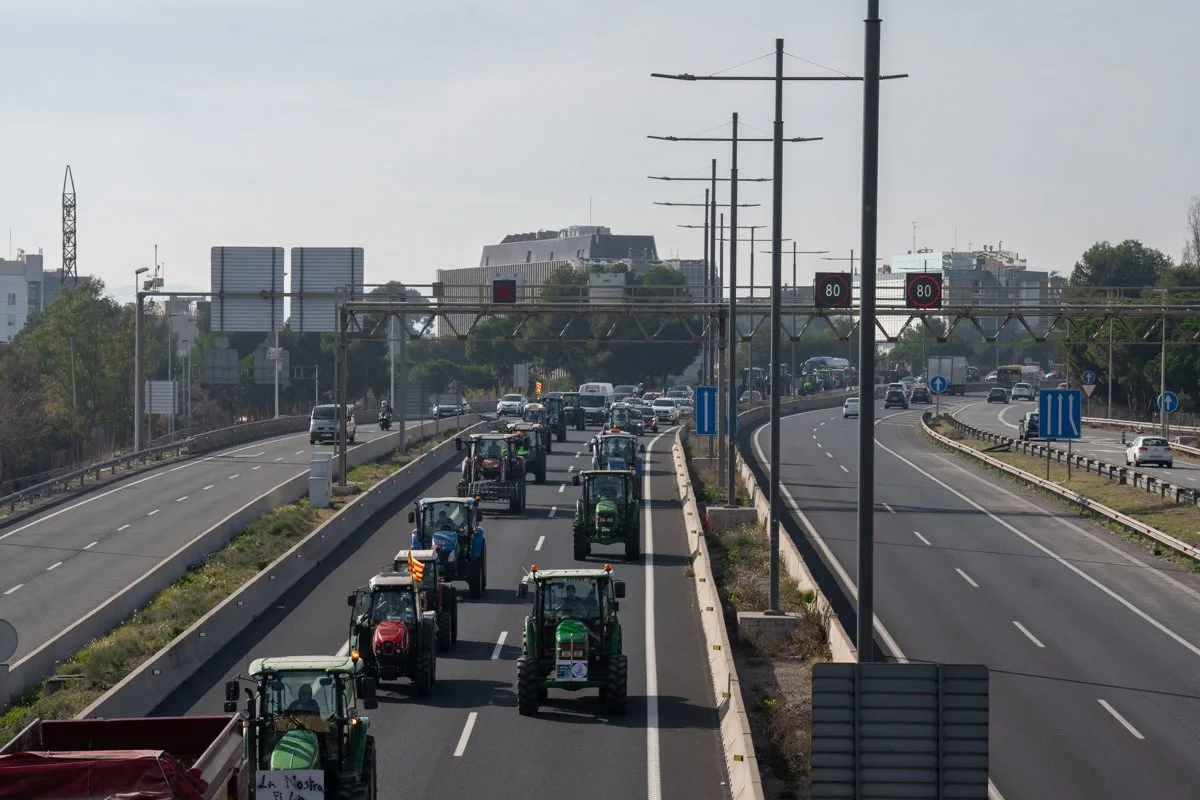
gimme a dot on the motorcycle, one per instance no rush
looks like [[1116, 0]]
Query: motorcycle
[[385, 420]]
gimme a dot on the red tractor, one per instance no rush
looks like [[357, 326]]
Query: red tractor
[[494, 469], [393, 632], [436, 595]]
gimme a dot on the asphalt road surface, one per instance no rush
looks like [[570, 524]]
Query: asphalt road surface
[[467, 739], [1096, 442], [1093, 646], [59, 565]]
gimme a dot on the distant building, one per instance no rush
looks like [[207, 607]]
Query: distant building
[[183, 318], [26, 288]]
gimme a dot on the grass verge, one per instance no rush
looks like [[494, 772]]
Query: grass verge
[[1180, 521], [776, 684], [704, 471], [102, 664]]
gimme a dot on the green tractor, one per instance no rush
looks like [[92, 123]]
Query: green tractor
[[572, 411], [531, 448], [556, 415], [301, 715], [608, 512], [572, 639]]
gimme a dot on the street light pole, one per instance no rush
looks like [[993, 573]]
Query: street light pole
[[138, 389]]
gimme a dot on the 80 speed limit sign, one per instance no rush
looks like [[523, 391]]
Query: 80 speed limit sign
[[832, 290], [923, 290]]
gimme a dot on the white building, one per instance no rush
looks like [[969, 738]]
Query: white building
[[21, 292]]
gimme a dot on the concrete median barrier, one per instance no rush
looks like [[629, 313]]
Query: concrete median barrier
[[24, 675], [144, 689]]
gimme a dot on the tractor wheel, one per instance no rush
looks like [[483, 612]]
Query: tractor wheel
[[453, 618], [370, 772], [528, 691], [617, 696], [424, 677], [562, 433], [483, 569], [475, 578], [633, 546], [580, 543], [524, 492], [353, 790], [549, 443], [539, 474], [445, 632]]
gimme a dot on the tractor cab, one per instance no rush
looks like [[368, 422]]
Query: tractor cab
[[622, 417], [572, 637], [452, 526], [555, 418], [535, 413], [302, 714], [617, 451]]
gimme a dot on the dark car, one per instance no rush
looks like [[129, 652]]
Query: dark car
[[1027, 428], [920, 394], [896, 398], [998, 394]]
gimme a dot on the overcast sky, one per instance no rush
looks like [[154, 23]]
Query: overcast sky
[[422, 131]]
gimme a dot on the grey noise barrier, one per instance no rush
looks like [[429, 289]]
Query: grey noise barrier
[[156, 679], [25, 674]]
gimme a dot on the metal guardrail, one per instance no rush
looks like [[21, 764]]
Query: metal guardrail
[[1085, 504], [1119, 473], [1148, 427]]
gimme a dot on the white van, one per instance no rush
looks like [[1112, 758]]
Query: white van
[[324, 425], [594, 399]]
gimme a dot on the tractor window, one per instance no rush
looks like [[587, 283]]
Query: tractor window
[[617, 447], [300, 692], [393, 605], [572, 598], [491, 448], [444, 516], [534, 415], [608, 487], [620, 416]]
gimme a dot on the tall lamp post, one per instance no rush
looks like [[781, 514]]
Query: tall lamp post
[[138, 389]]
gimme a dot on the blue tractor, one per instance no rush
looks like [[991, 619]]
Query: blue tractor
[[452, 526], [619, 451]]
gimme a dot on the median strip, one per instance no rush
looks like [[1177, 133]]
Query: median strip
[[103, 663]]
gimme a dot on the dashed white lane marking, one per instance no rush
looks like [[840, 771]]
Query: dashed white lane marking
[[466, 734], [299, 453], [541, 540], [13, 589], [562, 488], [279, 459], [966, 577], [1116, 715], [123, 527], [55, 565], [90, 546], [152, 513], [843, 466], [234, 475], [889, 508], [206, 488], [922, 538], [553, 511], [1025, 631], [258, 467], [499, 645], [181, 499], [829, 454]]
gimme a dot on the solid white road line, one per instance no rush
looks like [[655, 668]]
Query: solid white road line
[[13, 589], [1025, 631], [1116, 715], [541, 540], [966, 577], [466, 734], [344, 650], [123, 527], [653, 755], [499, 645], [922, 538], [55, 565]]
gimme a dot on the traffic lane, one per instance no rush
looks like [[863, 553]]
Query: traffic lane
[[917, 583]]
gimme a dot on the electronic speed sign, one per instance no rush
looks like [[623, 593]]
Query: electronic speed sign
[[923, 290], [832, 290]]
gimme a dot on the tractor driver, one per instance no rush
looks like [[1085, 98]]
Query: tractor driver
[[444, 523], [571, 605], [304, 701], [491, 449], [393, 605]]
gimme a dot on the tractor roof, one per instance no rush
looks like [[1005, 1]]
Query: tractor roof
[[419, 555], [617, 434], [466, 501], [391, 580], [333, 665], [553, 574], [624, 473], [492, 435], [534, 407]]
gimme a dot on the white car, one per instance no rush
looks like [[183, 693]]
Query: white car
[[511, 405], [666, 409], [1022, 391], [850, 409], [686, 405], [1149, 450]]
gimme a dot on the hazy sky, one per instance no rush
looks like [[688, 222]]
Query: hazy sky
[[422, 131]]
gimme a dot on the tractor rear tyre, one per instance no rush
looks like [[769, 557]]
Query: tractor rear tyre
[[475, 578], [445, 631], [453, 618], [539, 473], [483, 569], [579, 542], [562, 433], [528, 690], [424, 676], [633, 546], [370, 772], [617, 694]]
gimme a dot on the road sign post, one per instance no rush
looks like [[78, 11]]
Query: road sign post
[[1168, 403], [1089, 386], [1060, 416], [938, 385], [706, 411]]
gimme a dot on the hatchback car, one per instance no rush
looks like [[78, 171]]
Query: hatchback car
[[850, 408], [1150, 450], [895, 398], [1022, 391], [1027, 428], [998, 394], [920, 394]]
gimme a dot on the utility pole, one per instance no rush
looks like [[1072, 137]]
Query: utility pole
[[139, 389]]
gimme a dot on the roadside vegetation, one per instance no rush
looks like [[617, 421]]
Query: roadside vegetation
[[105, 662], [776, 684], [1178, 520], [704, 471]]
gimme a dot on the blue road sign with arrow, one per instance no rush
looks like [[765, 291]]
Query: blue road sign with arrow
[[938, 384], [1089, 377], [1060, 414], [706, 411], [1168, 402]]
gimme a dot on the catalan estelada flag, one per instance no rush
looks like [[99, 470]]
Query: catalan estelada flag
[[416, 568]]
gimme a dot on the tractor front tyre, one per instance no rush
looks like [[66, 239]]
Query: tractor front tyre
[[580, 543], [539, 474], [445, 631], [475, 578], [562, 433], [528, 691], [370, 773], [616, 695]]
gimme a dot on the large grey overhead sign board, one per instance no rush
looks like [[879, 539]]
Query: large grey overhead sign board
[[318, 274], [243, 279], [900, 731]]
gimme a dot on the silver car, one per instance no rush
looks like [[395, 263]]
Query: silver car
[[511, 405]]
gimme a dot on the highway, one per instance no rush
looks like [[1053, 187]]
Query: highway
[[59, 565], [467, 739], [1094, 648], [1096, 442]]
